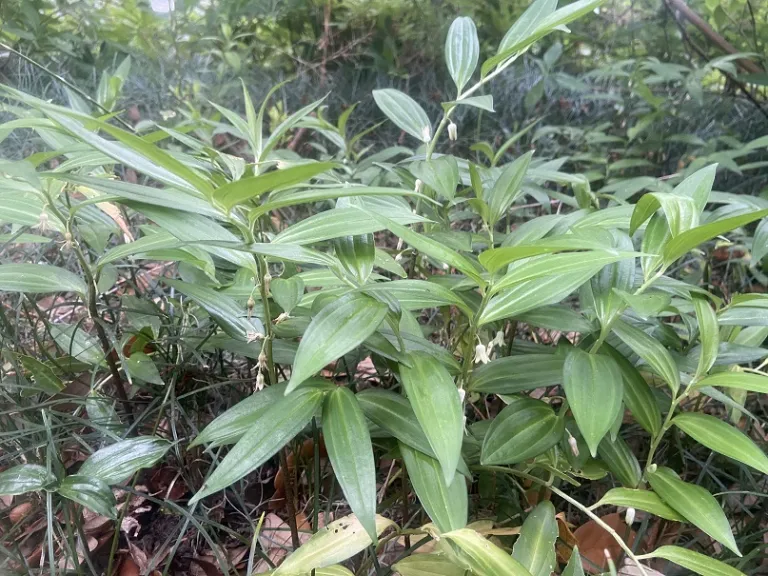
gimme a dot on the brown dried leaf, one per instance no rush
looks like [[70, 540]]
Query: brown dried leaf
[[593, 540]]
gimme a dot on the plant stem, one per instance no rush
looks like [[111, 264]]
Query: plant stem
[[289, 503]]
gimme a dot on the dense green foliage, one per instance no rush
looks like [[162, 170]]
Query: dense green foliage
[[516, 326]]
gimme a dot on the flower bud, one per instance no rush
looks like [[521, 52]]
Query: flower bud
[[42, 222], [498, 340], [262, 361], [426, 134], [629, 517], [418, 185], [259, 382], [572, 442], [453, 132], [267, 283], [251, 303], [481, 355]]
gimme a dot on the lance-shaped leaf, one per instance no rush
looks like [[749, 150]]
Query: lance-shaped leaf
[[720, 437], [591, 380], [39, 279], [286, 418], [336, 542], [246, 189], [481, 556], [621, 461], [338, 328], [428, 565], [651, 350], [446, 504], [45, 378], [738, 380], [462, 49], [507, 187], [514, 374], [694, 503], [709, 336], [25, 478], [351, 454], [405, 112], [357, 255], [118, 461], [523, 430], [441, 174], [640, 499], [92, 493], [694, 561], [535, 547], [436, 403], [287, 292], [574, 567]]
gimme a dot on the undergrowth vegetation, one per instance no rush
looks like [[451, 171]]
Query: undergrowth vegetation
[[261, 341]]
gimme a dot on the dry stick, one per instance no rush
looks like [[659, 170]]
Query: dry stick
[[66, 83], [289, 504]]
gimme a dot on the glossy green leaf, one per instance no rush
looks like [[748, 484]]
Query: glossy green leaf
[[142, 367], [45, 378], [517, 373], [39, 279], [507, 187], [356, 254], [645, 305], [481, 556], [655, 238], [621, 461], [681, 212], [292, 253], [271, 431], [245, 189], [441, 174], [405, 112], [351, 454], [335, 330], [716, 435], [336, 542], [641, 500], [287, 292], [419, 294], [25, 478], [709, 336], [435, 401], [695, 561], [522, 430], [92, 493], [76, 342], [651, 351], [591, 380], [230, 426], [574, 566], [117, 462], [462, 49], [232, 317], [446, 504], [739, 380], [428, 565], [496, 258], [694, 503], [523, 28], [535, 547], [683, 243]]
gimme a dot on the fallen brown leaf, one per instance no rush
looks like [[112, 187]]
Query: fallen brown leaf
[[593, 541]]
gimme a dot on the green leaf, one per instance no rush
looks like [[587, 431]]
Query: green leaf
[[484, 102], [462, 49], [681, 212], [356, 254], [117, 462], [431, 248], [441, 174], [428, 565], [507, 187], [240, 191], [334, 543], [638, 396], [446, 504], [436, 403], [574, 567], [287, 292], [591, 380], [292, 253], [141, 367], [514, 374], [644, 305], [720, 437], [481, 556], [25, 478], [405, 112], [522, 430], [524, 27], [698, 186], [45, 377], [351, 454], [621, 461], [533, 294], [338, 328], [269, 432], [535, 547], [683, 243], [739, 380], [92, 493], [651, 351], [709, 336], [640, 499], [694, 561], [76, 342], [496, 258], [227, 312], [418, 294], [230, 426], [292, 120], [694, 503], [39, 279]]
